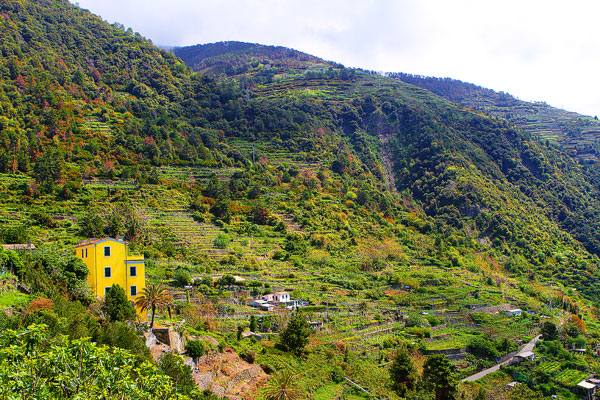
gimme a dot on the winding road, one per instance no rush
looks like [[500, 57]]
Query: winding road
[[527, 347]]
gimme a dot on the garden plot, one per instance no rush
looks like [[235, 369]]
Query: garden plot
[[570, 377], [195, 174], [95, 126], [548, 367]]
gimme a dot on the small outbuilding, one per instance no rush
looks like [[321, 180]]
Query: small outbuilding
[[588, 388], [515, 312], [525, 356]]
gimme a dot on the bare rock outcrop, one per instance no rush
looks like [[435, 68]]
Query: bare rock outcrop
[[227, 375]]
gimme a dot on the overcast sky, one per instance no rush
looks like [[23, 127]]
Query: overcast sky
[[535, 50]]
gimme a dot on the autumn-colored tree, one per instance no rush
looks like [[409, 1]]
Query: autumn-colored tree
[[40, 303], [578, 322]]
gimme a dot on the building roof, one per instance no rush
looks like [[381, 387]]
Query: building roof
[[280, 293], [525, 354], [251, 334], [586, 385], [95, 241], [19, 246], [515, 310]]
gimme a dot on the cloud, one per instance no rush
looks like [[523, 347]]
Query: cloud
[[537, 50]]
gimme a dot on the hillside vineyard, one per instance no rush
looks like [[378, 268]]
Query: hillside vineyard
[[242, 221]]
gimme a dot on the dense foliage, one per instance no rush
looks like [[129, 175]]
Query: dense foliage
[[36, 365]]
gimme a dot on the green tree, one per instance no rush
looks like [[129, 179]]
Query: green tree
[[549, 331], [91, 225], [119, 334], [172, 365], [403, 373], [483, 347], [253, 323], [226, 280], [116, 305], [115, 226], [194, 348], [295, 335], [222, 209], [222, 240], [50, 169], [154, 297], [439, 377]]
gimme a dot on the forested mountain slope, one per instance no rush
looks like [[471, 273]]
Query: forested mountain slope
[[471, 172]]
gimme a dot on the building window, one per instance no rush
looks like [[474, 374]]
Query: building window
[[107, 272], [132, 270], [133, 291], [106, 289], [81, 253], [85, 253], [106, 251]]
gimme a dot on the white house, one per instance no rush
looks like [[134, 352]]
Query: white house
[[282, 297]]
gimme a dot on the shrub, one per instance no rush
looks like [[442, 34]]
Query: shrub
[[222, 240], [194, 348], [249, 356], [172, 365], [337, 375], [433, 320], [482, 347], [416, 320], [183, 277]]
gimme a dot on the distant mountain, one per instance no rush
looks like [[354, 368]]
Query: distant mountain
[[577, 134], [236, 58]]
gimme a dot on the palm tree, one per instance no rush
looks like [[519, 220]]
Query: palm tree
[[154, 297], [283, 386]]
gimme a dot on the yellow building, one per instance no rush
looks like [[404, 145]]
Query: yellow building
[[109, 263]]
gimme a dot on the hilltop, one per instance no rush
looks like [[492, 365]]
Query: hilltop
[[403, 219]]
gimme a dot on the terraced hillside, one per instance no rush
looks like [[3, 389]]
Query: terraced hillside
[[577, 134]]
